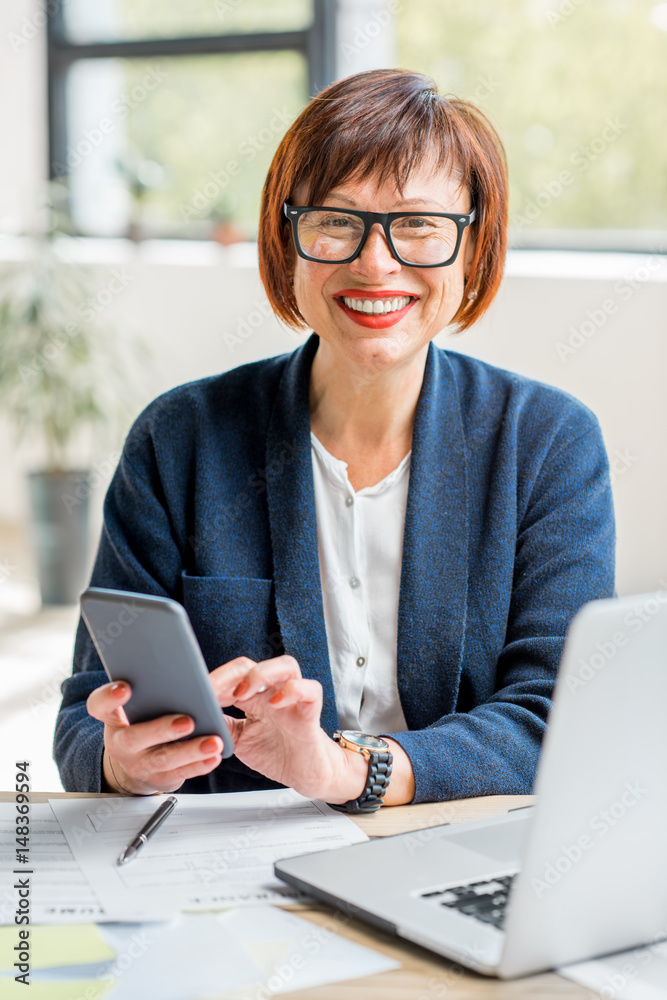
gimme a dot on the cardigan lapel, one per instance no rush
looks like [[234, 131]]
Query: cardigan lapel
[[434, 572], [293, 523]]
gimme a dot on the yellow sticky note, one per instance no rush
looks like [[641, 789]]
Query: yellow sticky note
[[53, 945], [81, 989]]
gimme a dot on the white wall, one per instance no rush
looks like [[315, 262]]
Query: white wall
[[546, 327]]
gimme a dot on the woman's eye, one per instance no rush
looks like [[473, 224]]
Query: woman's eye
[[416, 223], [336, 222]]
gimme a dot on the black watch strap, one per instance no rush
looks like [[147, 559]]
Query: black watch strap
[[370, 800]]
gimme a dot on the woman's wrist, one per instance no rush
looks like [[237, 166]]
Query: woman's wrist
[[350, 774], [113, 777], [340, 776]]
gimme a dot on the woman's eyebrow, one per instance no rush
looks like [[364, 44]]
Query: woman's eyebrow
[[402, 203]]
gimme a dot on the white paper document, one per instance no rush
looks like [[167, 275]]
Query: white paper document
[[59, 891], [639, 974], [213, 851]]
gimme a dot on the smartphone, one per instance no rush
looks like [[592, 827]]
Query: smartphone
[[150, 643]]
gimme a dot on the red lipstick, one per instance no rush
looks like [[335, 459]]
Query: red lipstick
[[374, 321]]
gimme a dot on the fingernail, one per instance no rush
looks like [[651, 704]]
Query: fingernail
[[181, 724], [277, 697], [117, 688], [209, 746], [241, 688]]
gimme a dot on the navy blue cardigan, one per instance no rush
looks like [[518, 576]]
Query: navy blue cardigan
[[509, 529]]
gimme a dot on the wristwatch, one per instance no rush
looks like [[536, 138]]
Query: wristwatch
[[376, 752]]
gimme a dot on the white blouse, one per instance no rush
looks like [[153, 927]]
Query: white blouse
[[360, 538]]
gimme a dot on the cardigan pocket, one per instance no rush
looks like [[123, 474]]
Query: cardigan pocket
[[232, 616]]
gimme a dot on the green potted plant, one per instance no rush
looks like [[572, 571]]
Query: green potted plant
[[65, 384]]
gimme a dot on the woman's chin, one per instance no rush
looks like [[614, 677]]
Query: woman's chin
[[376, 349]]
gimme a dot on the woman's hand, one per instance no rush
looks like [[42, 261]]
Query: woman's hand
[[142, 758], [281, 736]]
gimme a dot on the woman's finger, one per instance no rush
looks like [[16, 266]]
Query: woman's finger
[[159, 766], [105, 703], [172, 780], [228, 679], [267, 674], [227, 676], [145, 735], [165, 760], [304, 693]]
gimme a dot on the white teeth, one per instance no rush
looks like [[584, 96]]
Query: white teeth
[[377, 307]]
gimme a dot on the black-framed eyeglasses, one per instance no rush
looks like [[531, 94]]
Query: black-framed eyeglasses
[[338, 235]]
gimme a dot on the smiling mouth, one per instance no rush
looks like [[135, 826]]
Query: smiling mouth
[[379, 305]]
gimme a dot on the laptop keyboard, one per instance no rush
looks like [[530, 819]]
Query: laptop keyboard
[[486, 901]]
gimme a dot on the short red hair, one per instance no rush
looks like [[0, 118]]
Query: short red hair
[[386, 123]]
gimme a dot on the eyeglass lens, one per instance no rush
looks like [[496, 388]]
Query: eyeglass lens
[[419, 239]]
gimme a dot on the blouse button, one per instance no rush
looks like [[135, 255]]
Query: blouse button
[[361, 661], [354, 582], [349, 500]]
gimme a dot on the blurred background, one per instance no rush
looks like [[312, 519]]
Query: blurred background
[[137, 137]]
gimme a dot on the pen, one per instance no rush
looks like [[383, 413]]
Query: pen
[[147, 830]]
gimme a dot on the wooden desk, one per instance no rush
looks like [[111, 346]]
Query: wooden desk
[[423, 975]]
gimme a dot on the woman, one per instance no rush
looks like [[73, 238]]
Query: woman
[[369, 533]]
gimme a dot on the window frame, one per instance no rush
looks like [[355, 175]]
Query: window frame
[[317, 43]]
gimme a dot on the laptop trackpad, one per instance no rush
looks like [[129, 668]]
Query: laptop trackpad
[[502, 842]]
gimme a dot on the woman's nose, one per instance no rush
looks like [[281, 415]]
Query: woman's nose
[[375, 256]]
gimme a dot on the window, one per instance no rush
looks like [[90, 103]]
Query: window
[[164, 118], [576, 89]]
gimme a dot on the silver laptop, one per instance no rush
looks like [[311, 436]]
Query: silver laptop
[[580, 874]]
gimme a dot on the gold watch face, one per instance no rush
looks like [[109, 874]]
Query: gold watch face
[[363, 740]]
